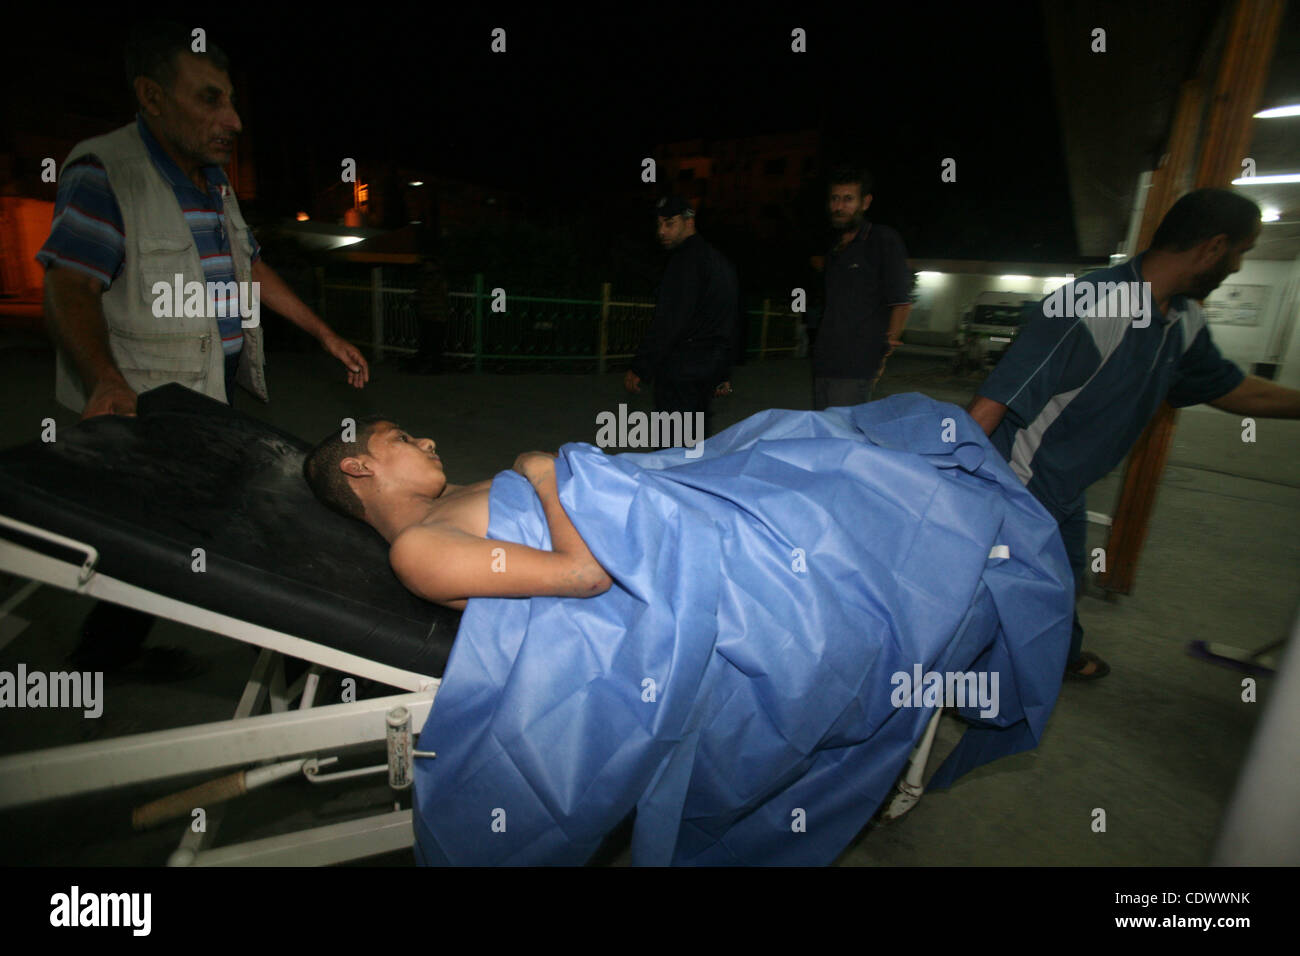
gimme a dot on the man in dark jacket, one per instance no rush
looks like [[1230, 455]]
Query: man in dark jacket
[[688, 350], [868, 296]]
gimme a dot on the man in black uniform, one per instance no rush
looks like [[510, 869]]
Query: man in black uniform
[[868, 289], [687, 352]]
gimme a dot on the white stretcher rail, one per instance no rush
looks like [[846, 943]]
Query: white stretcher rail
[[24, 562], [59, 772], [92, 555], [246, 739]]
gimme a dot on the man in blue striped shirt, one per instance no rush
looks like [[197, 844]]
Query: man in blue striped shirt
[[1085, 376], [188, 123], [150, 202]]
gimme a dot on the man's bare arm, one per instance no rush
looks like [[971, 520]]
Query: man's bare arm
[[74, 317], [276, 293], [986, 412], [897, 322], [1257, 396]]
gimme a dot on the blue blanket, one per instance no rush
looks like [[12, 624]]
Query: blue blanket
[[739, 687]]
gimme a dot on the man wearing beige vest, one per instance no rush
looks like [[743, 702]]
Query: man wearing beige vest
[[144, 217]]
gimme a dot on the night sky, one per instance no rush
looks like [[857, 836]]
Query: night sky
[[565, 115]]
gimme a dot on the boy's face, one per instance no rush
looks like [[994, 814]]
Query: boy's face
[[402, 462]]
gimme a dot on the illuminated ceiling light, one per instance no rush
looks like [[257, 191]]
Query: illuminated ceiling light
[[303, 217], [1015, 278], [1278, 112], [416, 182], [1270, 214], [1265, 180]]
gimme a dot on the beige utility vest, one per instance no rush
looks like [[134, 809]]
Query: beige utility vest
[[153, 351]]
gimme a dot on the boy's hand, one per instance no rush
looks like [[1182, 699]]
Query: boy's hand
[[536, 466]]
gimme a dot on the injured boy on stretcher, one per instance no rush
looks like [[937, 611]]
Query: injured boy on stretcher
[[437, 531], [712, 639]]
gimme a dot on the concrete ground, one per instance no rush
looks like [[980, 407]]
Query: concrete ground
[[1157, 744]]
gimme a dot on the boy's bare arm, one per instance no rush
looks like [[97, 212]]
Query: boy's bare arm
[[447, 566]]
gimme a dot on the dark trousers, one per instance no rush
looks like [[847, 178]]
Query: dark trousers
[[687, 382], [113, 634], [688, 397], [839, 392], [1074, 534]]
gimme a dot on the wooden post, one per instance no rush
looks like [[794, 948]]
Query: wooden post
[[603, 346], [1242, 72], [1169, 181], [1146, 461]]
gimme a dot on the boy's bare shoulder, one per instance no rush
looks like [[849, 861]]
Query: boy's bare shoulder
[[459, 518], [419, 539]]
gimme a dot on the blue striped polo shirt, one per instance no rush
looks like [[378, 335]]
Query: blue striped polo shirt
[[88, 233], [1079, 389]]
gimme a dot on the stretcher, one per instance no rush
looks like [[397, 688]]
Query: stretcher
[[196, 513]]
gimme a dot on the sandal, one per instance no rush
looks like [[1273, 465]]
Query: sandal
[[1082, 661]]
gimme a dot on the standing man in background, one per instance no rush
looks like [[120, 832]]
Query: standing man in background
[[868, 289], [141, 205], [688, 351]]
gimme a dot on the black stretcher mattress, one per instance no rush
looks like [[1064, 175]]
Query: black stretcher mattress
[[190, 472]]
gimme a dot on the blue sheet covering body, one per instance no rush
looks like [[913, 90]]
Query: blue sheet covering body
[[738, 685]]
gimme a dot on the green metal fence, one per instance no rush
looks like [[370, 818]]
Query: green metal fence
[[532, 331]]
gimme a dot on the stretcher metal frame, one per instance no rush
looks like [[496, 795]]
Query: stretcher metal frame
[[265, 726], [251, 736]]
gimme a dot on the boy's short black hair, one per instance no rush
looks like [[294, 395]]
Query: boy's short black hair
[[1203, 214], [324, 476]]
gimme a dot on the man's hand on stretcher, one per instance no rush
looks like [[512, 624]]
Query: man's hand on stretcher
[[446, 565]]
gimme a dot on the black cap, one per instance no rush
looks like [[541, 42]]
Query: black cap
[[670, 206]]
